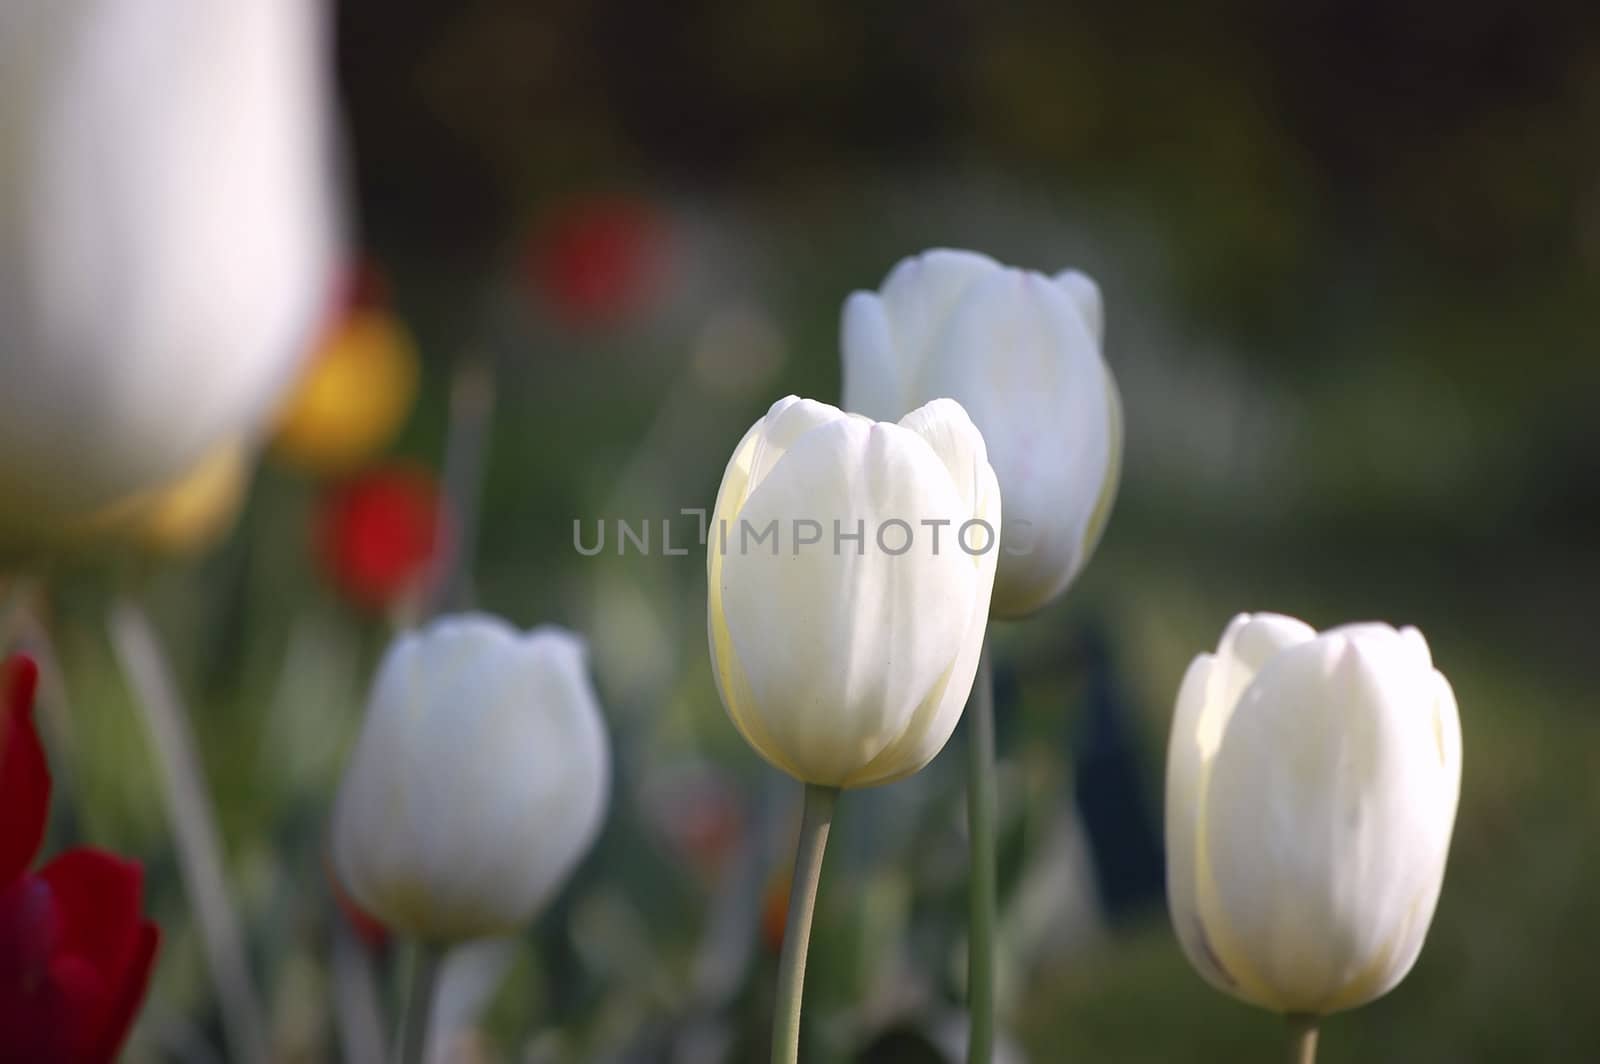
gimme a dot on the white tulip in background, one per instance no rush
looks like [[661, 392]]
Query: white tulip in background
[[480, 779], [848, 665], [1311, 791], [1021, 352], [167, 237]]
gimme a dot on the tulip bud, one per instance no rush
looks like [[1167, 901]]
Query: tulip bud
[[166, 238], [1311, 791], [845, 643], [1021, 352], [479, 781]]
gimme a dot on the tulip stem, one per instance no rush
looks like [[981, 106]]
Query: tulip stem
[[192, 815], [357, 1014], [1302, 1038], [466, 447], [412, 1045], [814, 824], [981, 892]]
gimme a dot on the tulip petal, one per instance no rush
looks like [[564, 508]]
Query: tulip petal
[[787, 420], [104, 949], [946, 428], [1206, 703], [99, 896], [934, 721], [129, 994], [30, 1021], [734, 687], [872, 370], [732, 492], [724, 530], [1085, 295], [762, 446], [1100, 516], [1418, 646], [1248, 643], [24, 773], [919, 296], [1406, 943], [1186, 766], [95, 1007]]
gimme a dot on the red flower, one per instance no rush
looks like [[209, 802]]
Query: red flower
[[378, 535], [75, 955], [598, 261]]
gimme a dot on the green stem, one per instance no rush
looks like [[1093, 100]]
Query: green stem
[[196, 835], [981, 894], [1302, 1038], [472, 388], [411, 1047], [358, 1018], [814, 825]]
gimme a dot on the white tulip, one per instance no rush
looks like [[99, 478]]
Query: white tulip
[[167, 237], [1311, 791], [846, 661], [1021, 352], [480, 779]]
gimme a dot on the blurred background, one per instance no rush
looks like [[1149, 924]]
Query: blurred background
[[1350, 258]]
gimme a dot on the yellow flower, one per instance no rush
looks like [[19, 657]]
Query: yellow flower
[[354, 397]]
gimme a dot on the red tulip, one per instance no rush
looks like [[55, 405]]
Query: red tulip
[[379, 535], [599, 260], [75, 955]]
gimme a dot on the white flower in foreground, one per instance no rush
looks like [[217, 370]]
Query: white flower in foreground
[[1021, 352], [167, 238], [480, 779], [846, 661], [1311, 792]]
